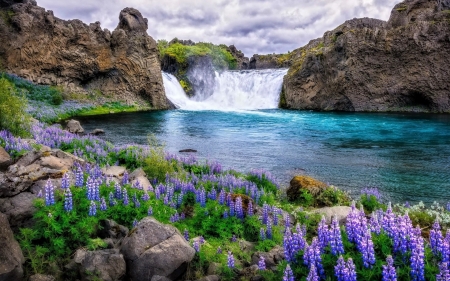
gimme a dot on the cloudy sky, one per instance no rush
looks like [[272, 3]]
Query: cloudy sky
[[253, 26]]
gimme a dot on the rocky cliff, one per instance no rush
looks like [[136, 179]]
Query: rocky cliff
[[372, 65], [124, 64]]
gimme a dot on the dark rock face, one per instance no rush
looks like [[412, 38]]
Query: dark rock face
[[269, 61], [372, 65], [11, 256], [242, 61], [36, 45]]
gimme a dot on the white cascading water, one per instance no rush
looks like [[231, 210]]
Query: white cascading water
[[234, 90]]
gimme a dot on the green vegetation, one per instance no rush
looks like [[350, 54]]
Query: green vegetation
[[13, 116], [6, 16], [107, 108]]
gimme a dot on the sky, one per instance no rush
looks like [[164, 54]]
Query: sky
[[253, 26]]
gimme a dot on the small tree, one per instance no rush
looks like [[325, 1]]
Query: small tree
[[13, 116]]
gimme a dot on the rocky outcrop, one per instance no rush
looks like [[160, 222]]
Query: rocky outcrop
[[242, 62], [5, 159], [11, 257], [300, 183], [372, 65], [270, 61], [107, 265], [153, 249], [74, 126], [38, 46]]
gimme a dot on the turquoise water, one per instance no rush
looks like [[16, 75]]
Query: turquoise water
[[407, 156]]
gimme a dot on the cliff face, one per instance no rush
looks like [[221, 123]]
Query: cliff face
[[124, 64], [372, 65]]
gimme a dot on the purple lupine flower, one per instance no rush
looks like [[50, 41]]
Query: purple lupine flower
[[201, 240], [322, 234], [125, 179], [145, 197], [196, 246], [150, 211], [225, 214], [312, 275], [137, 185], [250, 209], [231, 208], [186, 234], [233, 238], [417, 255], [92, 209], [97, 190], [239, 209], [389, 273], [230, 260], [388, 221], [219, 250], [103, 204], [436, 238], [68, 204], [287, 221], [340, 269], [118, 191], [351, 275], [262, 234], [403, 230], [261, 263], [265, 214], [202, 197], [222, 197], [288, 274], [49, 193], [135, 223], [374, 223], [444, 273], [65, 181], [40, 194], [275, 216], [269, 230], [79, 177], [288, 246], [447, 207], [125, 197], [335, 238], [312, 256], [367, 250], [352, 223]]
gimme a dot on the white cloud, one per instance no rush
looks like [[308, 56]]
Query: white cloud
[[253, 26]]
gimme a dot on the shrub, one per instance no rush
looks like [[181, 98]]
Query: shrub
[[332, 196], [12, 109]]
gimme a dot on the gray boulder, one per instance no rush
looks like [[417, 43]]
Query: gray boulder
[[271, 258], [11, 256], [19, 209], [340, 211], [106, 265], [114, 171], [74, 127], [153, 248]]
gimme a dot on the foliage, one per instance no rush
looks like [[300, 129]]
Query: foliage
[[12, 109], [332, 196], [371, 203]]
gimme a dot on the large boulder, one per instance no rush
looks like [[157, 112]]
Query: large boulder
[[271, 258], [19, 209], [11, 257], [74, 126], [106, 265], [153, 248], [300, 183], [340, 211], [5, 159]]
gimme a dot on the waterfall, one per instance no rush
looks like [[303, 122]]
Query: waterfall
[[233, 90]]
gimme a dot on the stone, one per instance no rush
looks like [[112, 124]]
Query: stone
[[213, 268], [209, 278], [65, 155], [188, 150], [11, 256], [160, 278], [153, 248], [111, 229], [5, 159], [340, 211], [41, 277], [74, 126], [143, 181], [56, 163], [28, 158], [373, 65], [84, 58], [114, 171], [139, 172], [97, 132], [272, 258], [106, 265], [299, 183], [19, 209]]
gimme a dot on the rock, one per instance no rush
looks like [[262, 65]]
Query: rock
[[304, 182], [19, 209], [269, 61], [249, 271], [97, 132], [257, 278], [153, 248], [28, 158], [114, 171], [5, 159], [111, 229], [53, 162], [242, 61], [143, 181], [209, 278], [106, 265], [213, 268], [372, 65], [137, 173], [160, 278], [65, 155], [83, 58], [340, 211], [272, 258], [41, 277], [188, 150], [74, 127], [11, 256]]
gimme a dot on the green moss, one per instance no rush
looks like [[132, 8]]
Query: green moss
[[401, 9], [109, 107], [7, 16]]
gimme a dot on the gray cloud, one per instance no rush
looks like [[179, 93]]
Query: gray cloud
[[254, 26]]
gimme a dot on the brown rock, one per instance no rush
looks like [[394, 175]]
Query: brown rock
[[304, 182], [5, 159], [19, 209], [373, 65], [11, 256], [74, 127], [81, 58], [53, 162]]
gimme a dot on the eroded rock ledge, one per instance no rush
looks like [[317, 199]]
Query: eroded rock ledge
[[373, 65], [38, 46]]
